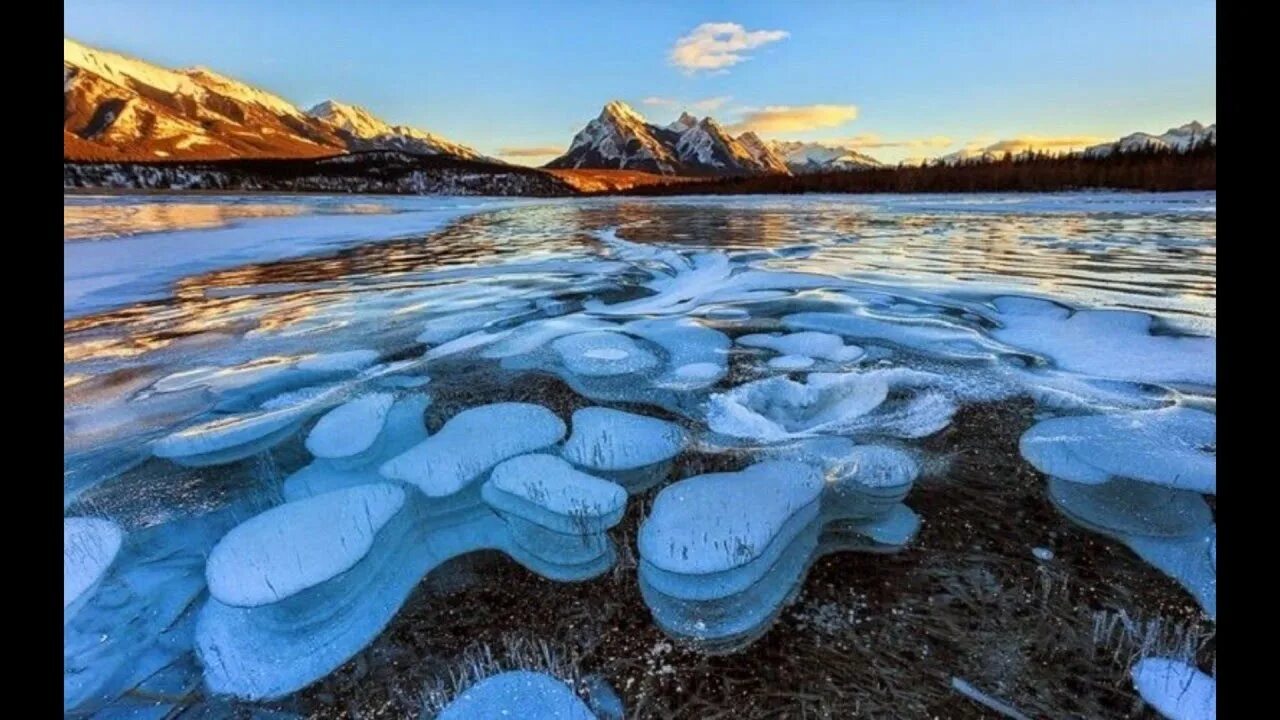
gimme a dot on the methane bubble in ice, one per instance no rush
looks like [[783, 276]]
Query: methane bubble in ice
[[471, 443], [806, 344], [401, 428], [715, 571], [633, 450], [778, 408], [89, 545], [1172, 447], [1116, 344], [518, 693], [347, 433], [1175, 689]]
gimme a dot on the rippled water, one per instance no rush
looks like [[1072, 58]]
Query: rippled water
[[161, 343]]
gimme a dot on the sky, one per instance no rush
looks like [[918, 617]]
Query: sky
[[894, 79]]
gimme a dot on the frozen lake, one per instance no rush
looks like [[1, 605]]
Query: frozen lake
[[720, 450]]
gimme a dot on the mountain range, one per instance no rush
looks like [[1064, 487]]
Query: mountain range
[[622, 138], [116, 108]]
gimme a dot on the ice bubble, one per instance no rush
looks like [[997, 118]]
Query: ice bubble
[[936, 336], [299, 545], [601, 354], [227, 439], [349, 430], [1175, 689], [471, 443], [517, 694], [402, 429], [810, 344], [791, 362], [548, 491], [89, 546], [451, 327], [701, 526], [538, 333], [721, 554], [692, 350], [1116, 344], [1173, 447], [613, 441], [1131, 507], [338, 362], [778, 408], [1168, 528]]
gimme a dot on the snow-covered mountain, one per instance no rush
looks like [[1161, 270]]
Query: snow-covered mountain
[[621, 138], [811, 157], [1178, 139], [764, 152], [118, 108], [363, 131]]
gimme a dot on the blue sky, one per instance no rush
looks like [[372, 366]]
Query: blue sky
[[894, 79]]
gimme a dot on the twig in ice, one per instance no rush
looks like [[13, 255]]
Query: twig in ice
[[982, 698]]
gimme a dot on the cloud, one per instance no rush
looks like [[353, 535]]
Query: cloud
[[794, 118], [872, 141], [1041, 142], [709, 104], [703, 105], [530, 152], [717, 46]]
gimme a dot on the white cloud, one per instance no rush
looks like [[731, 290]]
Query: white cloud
[[709, 104], [871, 141], [717, 46], [660, 101], [1052, 143], [794, 118]]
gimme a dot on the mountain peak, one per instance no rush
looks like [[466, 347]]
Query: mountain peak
[[618, 110]]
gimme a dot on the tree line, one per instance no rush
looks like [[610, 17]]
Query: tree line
[[1148, 168]]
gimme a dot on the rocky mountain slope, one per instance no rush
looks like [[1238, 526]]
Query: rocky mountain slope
[[117, 108]]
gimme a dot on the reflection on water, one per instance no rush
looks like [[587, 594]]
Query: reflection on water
[[92, 216], [1161, 264], [907, 308]]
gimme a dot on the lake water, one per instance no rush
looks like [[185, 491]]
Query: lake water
[[205, 338]]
